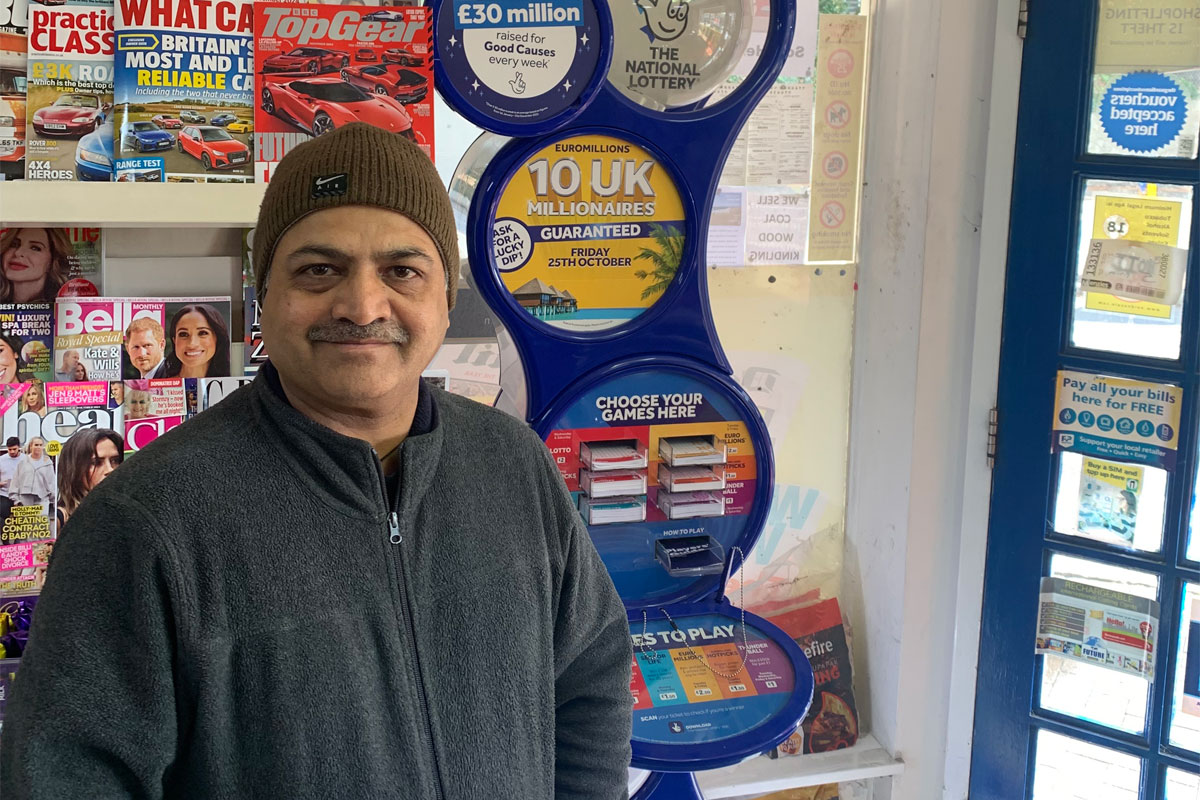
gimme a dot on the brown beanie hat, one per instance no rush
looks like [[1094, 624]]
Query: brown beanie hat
[[357, 164]]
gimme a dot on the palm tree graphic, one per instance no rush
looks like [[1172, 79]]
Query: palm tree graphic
[[665, 259]]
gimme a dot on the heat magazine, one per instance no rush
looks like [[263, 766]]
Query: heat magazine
[[14, 21], [184, 90], [141, 337], [69, 91], [43, 425], [319, 67]]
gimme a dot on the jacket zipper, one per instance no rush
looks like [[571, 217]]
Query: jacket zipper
[[396, 539]]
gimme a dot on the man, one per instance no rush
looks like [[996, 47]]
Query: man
[[8, 468], [145, 342], [369, 589], [66, 370]]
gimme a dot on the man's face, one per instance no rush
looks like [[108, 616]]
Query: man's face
[[14, 450], [355, 308], [144, 350]]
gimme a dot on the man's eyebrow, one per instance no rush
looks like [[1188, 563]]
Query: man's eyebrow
[[320, 251], [400, 253], [334, 254]]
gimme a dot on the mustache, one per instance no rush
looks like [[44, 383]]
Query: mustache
[[339, 331]]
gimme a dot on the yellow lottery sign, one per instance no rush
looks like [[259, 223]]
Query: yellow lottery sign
[[588, 233]]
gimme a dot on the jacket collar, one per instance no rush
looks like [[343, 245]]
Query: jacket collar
[[342, 470]]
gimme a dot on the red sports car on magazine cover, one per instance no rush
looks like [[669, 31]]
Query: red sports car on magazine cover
[[404, 56], [71, 114], [318, 105], [165, 122], [306, 59], [214, 146], [365, 54], [393, 80]]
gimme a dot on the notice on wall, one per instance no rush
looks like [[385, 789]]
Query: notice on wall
[[1127, 420], [1097, 626], [841, 72]]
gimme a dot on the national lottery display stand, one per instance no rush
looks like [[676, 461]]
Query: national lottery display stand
[[585, 212]]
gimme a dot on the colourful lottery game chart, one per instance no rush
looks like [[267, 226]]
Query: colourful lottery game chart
[[585, 211]]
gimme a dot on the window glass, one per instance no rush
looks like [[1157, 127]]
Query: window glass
[[1113, 502], [1185, 701], [1071, 769], [1130, 267]]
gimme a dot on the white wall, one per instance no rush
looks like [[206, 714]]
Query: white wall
[[925, 362]]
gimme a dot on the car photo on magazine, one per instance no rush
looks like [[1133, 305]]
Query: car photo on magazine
[[338, 65]]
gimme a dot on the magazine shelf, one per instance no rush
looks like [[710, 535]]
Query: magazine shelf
[[129, 205]]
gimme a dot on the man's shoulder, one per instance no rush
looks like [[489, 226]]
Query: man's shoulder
[[214, 448], [474, 422]]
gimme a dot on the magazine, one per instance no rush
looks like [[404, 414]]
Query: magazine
[[26, 338], [133, 338], [254, 353], [14, 20], [832, 720], [31, 475], [27, 493], [319, 67], [69, 91], [152, 407], [214, 390], [72, 259], [183, 87]]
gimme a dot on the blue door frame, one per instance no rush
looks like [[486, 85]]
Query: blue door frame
[[1051, 167]]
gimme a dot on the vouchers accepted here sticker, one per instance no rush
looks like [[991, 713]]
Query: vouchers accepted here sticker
[[588, 233], [516, 62]]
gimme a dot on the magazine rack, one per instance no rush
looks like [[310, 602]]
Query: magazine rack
[[586, 235]]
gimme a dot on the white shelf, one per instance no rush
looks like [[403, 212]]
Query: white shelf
[[129, 205], [867, 759]]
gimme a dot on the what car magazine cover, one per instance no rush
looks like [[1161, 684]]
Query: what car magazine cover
[[142, 337], [184, 88], [319, 67], [26, 342], [14, 21], [69, 91], [153, 407]]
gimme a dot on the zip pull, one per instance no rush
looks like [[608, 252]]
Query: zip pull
[[394, 527]]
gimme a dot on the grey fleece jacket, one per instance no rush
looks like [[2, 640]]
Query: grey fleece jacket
[[227, 616]]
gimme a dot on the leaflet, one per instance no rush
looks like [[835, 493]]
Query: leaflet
[[1098, 626]]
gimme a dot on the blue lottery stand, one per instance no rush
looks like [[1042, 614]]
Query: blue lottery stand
[[648, 397]]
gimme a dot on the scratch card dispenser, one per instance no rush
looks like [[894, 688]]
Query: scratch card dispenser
[[611, 510], [691, 479], [620, 454], [690, 555], [611, 484], [685, 450], [686, 505]]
